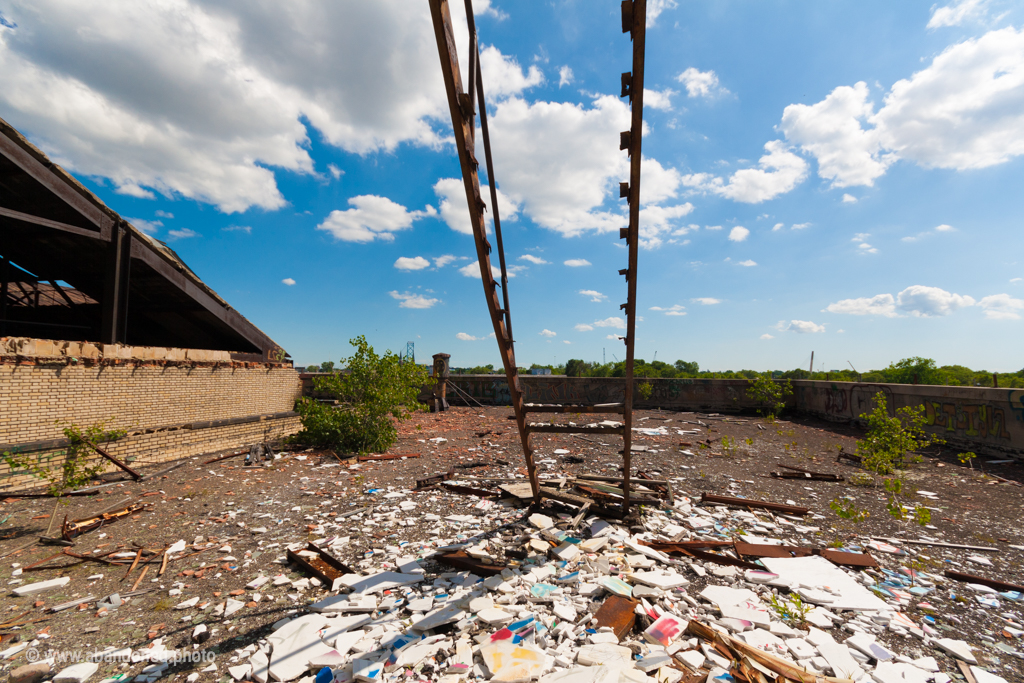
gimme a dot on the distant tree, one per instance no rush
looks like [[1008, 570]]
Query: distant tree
[[687, 367], [576, 368], [912, 370], [327, 366]]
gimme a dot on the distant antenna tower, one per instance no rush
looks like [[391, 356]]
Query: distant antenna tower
[[410, 352]]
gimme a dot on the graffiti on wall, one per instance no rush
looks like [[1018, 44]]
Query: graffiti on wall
[[973, 419]]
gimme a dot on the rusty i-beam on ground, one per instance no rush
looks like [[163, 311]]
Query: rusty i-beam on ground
[[463, 106]]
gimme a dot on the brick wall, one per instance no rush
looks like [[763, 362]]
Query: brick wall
[[173, 402]]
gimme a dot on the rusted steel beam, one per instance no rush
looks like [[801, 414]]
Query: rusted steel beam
[[462, 108], [981, 580], [387, 456], [634, 22], [566, 429], [750, 503], [610, 408], [112, 459], [460, 560]]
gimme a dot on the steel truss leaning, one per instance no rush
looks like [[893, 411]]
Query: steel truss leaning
[[464, 107]]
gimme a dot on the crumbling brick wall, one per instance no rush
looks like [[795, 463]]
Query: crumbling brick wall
[[173, 402]]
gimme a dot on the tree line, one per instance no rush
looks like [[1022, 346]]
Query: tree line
[[914, 370]]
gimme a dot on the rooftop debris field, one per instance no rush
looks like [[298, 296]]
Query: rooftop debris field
[[434, 565]]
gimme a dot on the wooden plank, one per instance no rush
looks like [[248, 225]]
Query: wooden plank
[[982, 581], [47, 223], [610, 409], [566, 429], [750, 503]]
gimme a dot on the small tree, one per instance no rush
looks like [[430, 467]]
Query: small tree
[[769, 394], [889, 439], [372, 389]]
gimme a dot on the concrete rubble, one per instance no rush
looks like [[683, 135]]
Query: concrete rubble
[[594, 603]]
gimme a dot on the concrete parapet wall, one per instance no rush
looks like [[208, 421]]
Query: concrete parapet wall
[[984, 420]]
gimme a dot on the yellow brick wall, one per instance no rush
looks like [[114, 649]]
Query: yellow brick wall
[[36, 398], [154, 394], [158, 447]]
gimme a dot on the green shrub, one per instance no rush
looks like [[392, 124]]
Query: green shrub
[[889, 439], [73, 471], [769, 394], [373, 391]]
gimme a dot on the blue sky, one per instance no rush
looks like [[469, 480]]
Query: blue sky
[[840, 177]]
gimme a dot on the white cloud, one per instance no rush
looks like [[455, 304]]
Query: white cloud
[[882, 304], [656, 221], [749, 263], [455, 211], [915, 301], [247, 229], [656, 7], [414, 263], [561, 161], [712, 227], [800, 226], [957, 13], [288, 281], [831, 131], [335, 172], [929, 233], [1002, 307], [189, 101], [147, 226], [547, 333], [921, 301], [163, 214], [583, 327], [613, 336], [183, 233], [566, 341], [467, 337], [1016, 279], [594, 295], [767, 336], [444, 260], [372, 217], [738, 234], [862, 245], [503, 76], [778, 226], [473, 270], [413, 300], [535, 260], [701, 83], [485, 8], [963, 111], [660, 100], [565, 76], [672, 310], [706, 301], [780, 171], [804, 327], [616, 322], [849, 199], [577, 262]]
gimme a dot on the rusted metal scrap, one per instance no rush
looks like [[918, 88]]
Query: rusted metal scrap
[[800, 473], [323, 565], [460, 560], [434, 480], [751, 503], [618, 613], [982, 581], [80, 526]]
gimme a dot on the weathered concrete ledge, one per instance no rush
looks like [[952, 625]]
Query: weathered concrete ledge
[[980, 419]]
